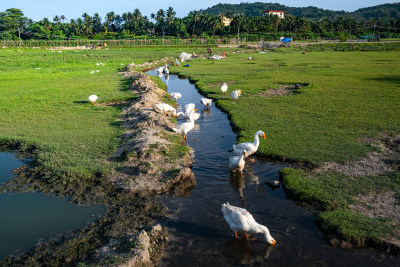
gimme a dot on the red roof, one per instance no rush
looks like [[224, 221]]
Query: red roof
[[276, 11]]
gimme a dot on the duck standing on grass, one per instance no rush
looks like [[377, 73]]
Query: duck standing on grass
[[240, 220], [250, 148], [224, 88], [185, 127], [235, 94], [93, 99], [166, 108], [237, 163], [206, 102]]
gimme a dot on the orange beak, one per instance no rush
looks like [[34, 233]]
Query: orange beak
[[244, 153], [264, 136], [195, 109], [274, 243]]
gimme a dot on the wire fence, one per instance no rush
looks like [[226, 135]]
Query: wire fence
[[120, 43]]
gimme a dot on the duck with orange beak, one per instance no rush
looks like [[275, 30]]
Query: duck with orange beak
[[250, 148]]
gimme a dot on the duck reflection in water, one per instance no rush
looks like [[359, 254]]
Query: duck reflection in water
[[206, 113], [166, 79], [246, 252], [239, 182]]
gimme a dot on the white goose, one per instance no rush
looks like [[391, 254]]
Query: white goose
[[93, 98], [206, 102], [185, 127], [166, 108], [166, 71], [189, 107], [186, 115], [224, 88], [160, 70], [175, 96], [237, 163], [235, 94], [240, 220], [250, 148]]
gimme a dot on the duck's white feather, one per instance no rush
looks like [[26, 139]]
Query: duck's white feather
[[240, 219], [250, 148]]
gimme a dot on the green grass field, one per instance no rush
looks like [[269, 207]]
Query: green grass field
[[44, 102], [350, 96]]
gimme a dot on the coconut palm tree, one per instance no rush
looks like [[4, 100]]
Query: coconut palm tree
[[160, 19]]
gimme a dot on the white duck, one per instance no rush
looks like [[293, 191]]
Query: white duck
[[237, 163], [250, 148], [166, 108], [93, 98], [240, 220], [160, 70], [185, 127], [235, 94], [206, 102], [189, 107], [224, 88], [186, 115], [175, 96], [166, 71]]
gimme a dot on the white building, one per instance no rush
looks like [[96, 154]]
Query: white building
[[278, 13]]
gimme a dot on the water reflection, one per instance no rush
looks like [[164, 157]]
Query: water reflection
[[27, 217], [246, 252]]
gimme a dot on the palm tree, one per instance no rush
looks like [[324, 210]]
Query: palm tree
[[160, 19], [137, 15], [56, 19], [96, 23], [195, 19], [110, 17], [62, 18]]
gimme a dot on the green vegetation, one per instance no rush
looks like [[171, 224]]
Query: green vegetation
[[382, 12], [44, 104], [247, 19], [345, 97]]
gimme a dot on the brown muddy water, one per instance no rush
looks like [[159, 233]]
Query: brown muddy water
[[198, 234], [27, 218]]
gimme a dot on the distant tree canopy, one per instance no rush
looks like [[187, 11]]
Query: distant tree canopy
[[164, 23]]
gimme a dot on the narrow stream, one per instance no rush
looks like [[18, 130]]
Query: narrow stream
[[198, 233], [26, 218]]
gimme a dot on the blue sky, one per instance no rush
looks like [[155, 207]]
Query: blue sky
[[72, 9]]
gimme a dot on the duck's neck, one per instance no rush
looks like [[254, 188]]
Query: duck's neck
[[256, 140]]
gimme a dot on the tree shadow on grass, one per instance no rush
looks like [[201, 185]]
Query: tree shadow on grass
[[81, 102], [387, 79]]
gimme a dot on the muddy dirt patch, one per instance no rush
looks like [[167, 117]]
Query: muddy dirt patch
[[284, 89], [384, 205], [382, 161]]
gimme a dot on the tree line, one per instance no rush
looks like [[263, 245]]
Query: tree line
[[164, 23]]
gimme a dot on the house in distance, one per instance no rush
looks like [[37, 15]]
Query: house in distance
[[278, 13]]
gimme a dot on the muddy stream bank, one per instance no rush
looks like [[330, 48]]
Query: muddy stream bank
[[198, 234]]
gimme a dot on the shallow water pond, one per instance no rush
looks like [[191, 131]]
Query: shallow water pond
[[26, 218], [198, 233]]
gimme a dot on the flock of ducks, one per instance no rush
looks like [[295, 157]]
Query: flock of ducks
[[238, 219]]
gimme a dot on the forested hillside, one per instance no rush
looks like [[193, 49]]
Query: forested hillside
[[384, 12]]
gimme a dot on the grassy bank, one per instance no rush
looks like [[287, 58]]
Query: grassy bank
[[44, 104], [347, 101]]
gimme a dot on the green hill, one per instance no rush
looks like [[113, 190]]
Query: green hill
[[383, 12]]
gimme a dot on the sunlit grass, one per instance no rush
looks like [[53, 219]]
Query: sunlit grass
[[350, 96], [44, 102]]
